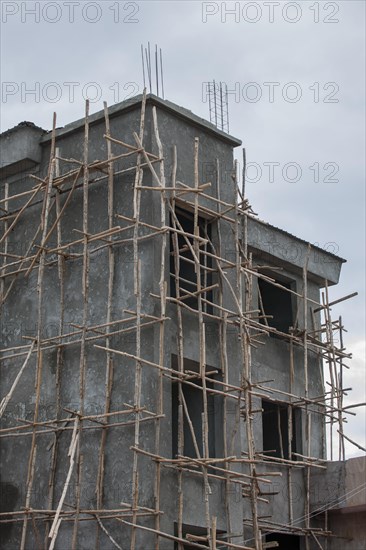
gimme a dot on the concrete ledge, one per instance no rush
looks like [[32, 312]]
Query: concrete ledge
[[134, 103], [268, 242], [20, 148]]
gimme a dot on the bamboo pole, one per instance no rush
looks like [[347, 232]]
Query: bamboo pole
[[249, 426], [39, 367], [71, 454], [85, 296], [109, 358], [180, 349], [224, 362], [163, 291], [6, 227], [59, 359]]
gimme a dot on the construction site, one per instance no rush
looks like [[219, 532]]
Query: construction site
[[171, 374]]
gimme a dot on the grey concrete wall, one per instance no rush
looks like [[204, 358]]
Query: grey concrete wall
[[349, 530], [20, 319]]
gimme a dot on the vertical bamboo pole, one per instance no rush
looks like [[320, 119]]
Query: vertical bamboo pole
[[224, 362], [307, 412], [331, 359], [61, 274], [245, 303], [137, 403], [85, 295], [290, 432], [38, 378], [249, 424], [213, 532], [289, 469], [280, 431], [180, 350], [71, 454], [202, 341], [163, 290], [6, 226], [137, 292], [305, 320], [342, 453], [59, 358], [336, 382], [109, 358], [85, 274]]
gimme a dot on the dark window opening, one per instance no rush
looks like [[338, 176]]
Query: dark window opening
[[277, 303], [286, 542], [193, 396], [196, 532], [275, 425], [187, 275]]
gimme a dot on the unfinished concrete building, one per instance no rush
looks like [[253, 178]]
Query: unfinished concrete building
[[163, 350]]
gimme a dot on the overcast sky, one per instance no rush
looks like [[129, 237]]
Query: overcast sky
[[296, 76]]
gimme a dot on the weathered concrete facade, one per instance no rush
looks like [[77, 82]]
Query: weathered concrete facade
[[342, 490], [97, 429]]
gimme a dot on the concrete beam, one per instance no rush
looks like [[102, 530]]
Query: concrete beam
[[271, 244]]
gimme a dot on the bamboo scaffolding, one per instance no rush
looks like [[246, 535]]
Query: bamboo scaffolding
[[222, 293]]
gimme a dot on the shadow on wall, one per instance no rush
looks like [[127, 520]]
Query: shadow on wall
[[9, 494]]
